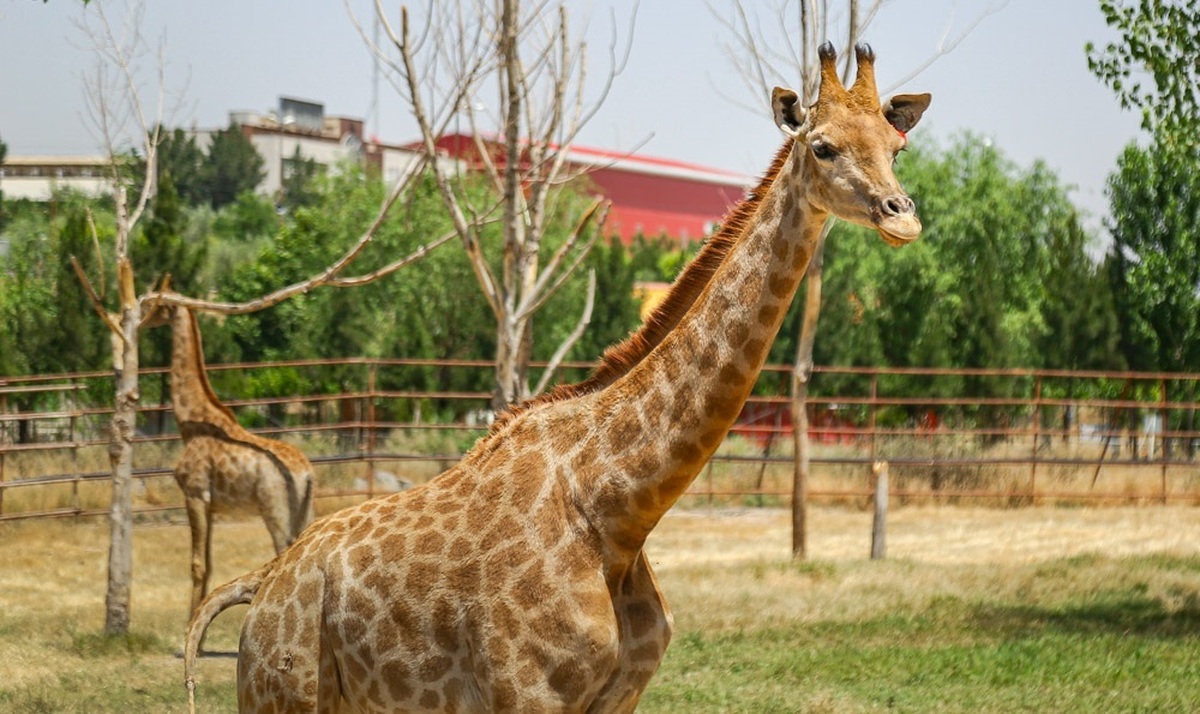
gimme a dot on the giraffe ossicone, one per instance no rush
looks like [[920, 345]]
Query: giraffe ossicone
[[516, 580]]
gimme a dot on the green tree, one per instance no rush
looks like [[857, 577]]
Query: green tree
[[1160, 42], [1082, 330], [299, 186], [231, 166], [1154, 262], [179, 156]]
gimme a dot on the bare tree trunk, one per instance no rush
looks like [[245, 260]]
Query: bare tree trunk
[[120, 452], [801, 372]]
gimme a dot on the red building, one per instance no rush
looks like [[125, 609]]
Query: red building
[[649, 195]]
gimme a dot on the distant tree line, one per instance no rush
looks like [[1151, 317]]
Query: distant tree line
[[1001, 277]]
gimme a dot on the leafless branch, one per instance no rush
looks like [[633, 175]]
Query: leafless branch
[[584, 318], [95, 299], [543, 290], [327, 276]]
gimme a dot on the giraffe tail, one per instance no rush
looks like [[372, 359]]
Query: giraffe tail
[[239, 591]]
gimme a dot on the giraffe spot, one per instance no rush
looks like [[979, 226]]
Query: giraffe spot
[[768, 313], [800, 260], [646, 500], [456, 693], [640, 464], [781, 248], [712, 438], [529, 674], [504, 696], [434, 668], [353, 628], [505, 622], [685, 451], [729, 374], [789, 203], [430, 543], [622, 433], [568, 680], [422, 577], [450, 523], [406, 621], [479, 516], [359, 603], [780, 284], [674, 484], [395, 675], [503, 529], [642, 618], [752, 350], [739, 333], [445, 629]]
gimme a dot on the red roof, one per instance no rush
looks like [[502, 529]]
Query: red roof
[[649, 195]]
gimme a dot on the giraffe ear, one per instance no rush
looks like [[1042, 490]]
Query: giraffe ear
[[789, 115], [903, 111]]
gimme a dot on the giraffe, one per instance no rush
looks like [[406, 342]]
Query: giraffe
[[223, 464], [516, 580]]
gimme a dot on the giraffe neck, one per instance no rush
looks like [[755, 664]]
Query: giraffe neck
[[670, 412], [197, 409]]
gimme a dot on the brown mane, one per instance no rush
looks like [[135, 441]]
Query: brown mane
[[623, 356]]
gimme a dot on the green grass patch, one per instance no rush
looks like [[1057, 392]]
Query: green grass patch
[[1118, 649]]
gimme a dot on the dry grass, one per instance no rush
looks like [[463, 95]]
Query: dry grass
[[723, 571]]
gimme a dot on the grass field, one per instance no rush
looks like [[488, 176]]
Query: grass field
[[975, 610]]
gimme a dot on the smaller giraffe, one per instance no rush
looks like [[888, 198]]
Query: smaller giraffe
[[222, 464]]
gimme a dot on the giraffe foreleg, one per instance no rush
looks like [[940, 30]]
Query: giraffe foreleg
[[645, 624]]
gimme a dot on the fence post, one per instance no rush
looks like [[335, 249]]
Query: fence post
[[371, 430], [1162, 435], [1, 482], [1037, 434], [879, 523]]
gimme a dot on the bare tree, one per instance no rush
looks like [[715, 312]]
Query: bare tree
[[116, 102], [762, 67], [516, 80]]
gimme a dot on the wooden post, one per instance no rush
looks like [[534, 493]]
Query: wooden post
[[879, 524], [371, 430]]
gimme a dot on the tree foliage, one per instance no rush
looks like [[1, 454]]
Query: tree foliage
[[181, 159], [233, 165], [1154, 263], [1155, 66]]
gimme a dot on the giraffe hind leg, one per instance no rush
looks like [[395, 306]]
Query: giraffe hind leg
[[200, 521]]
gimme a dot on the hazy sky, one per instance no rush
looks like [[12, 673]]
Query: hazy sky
[[1019, 79]]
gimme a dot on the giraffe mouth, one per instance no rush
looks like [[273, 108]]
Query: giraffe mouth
[[899, 230], [894, 240]]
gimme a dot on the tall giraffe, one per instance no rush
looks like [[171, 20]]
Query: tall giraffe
[[222, 464], [516, 581]]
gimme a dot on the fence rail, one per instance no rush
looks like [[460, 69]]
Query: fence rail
[[998, 435]]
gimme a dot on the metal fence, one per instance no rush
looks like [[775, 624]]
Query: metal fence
[[1007, 437]]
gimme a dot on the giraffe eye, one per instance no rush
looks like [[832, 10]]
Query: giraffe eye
[[823, 151]]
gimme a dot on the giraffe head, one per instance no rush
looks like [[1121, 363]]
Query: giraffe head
[[848, 141]]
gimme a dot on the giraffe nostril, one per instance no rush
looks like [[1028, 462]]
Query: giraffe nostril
[[898, 205]]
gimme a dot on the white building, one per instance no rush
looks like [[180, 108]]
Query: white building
[[37, 177], [328, 140]]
